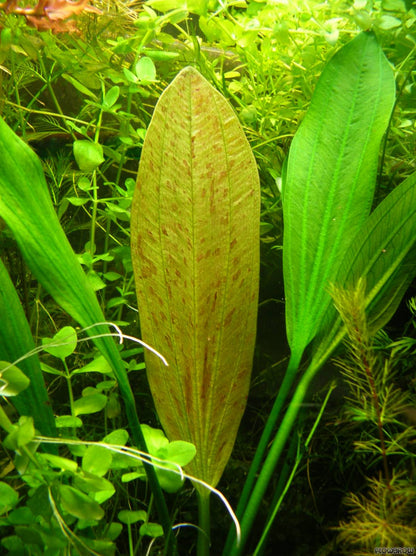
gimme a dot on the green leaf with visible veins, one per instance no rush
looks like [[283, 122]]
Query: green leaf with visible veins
[[330, 180], [384, 255]]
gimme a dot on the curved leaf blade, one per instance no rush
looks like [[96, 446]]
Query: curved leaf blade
[[195, 245], [331, 177], [383, 253], [15, 342]]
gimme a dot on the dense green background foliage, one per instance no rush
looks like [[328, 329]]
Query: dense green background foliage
[[83, 102]]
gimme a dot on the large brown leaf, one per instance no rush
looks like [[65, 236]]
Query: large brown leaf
[[195, 248]]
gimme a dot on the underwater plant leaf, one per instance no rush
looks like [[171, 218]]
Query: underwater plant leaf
[[195, 251], [26, 207], [384, 255], [16, 341], [331, 176]]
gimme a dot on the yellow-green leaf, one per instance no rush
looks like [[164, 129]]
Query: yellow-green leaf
[[195, 247]]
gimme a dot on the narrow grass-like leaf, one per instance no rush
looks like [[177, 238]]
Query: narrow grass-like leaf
[[15, 342], [331, 177], [195, 244]]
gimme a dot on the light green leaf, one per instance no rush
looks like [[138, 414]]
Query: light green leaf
[[97, 365], [387, 22], [111, 97], [130, 516], [67, 421], [60, 462], [88, 155], [90, 404], [145, 69], [62, 344], [8, 498], [155, 439], [151, 530], [12, 380], [97, 460], [330, 179], [77, 201], [180, 452], [118, 436], [22, 435], [78, 504]]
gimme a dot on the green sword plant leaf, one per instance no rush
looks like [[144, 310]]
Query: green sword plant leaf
[[195, 250], [331, 176], [383, 254], [15, 342]]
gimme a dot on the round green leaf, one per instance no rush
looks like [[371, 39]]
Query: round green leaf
[[62, 344], [88, 155], [90, 404], [180, 452], [97, 460], [129, 516], [151, 530], [67, 421], [145, 69], [111, 97]]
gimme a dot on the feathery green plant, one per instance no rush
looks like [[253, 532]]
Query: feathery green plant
[[385, 515]]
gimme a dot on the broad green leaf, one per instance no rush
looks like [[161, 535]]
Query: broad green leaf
[[180, 452], [384, 255], [330, 179], [111, 97], [22, 434], [78, 504], [15, 342], [118, 436], [62, 344], [195, 250], [155, 439], [92, 484], [97, 365]]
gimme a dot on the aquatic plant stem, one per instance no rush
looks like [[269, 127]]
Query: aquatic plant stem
[[284, 390], [203, 546], [294, 448], [272, 460]]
